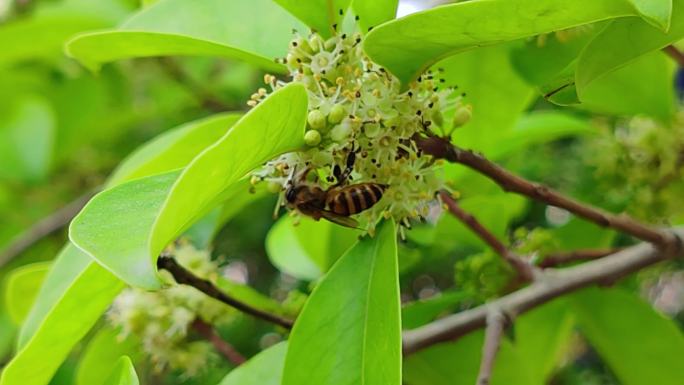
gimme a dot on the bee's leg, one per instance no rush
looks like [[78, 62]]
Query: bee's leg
[[342, 176]]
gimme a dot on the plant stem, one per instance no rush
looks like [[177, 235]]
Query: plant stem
[[186, 277], [555, 259], [675, 54], [221, 345], [496, 321]]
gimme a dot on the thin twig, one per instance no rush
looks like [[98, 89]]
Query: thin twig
[[551, 284], [186, 277], [496, 321], [675, 54], [524, 269], [221, 345], [43, 228], [442, 149], [556, 259], [206, 97]]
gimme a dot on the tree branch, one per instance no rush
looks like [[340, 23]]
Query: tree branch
[[556, 259], [675, 54], [496, 321], [551, 284], [443, 149], [524, 269], [221, 345], [186, 277], [43, 228]]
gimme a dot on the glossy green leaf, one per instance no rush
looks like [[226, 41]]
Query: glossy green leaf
[[623, 41], [410, 45], [266, 368], [641, 346], [349, 331], [126, 234], [293, 250], [374, 12], [174, 148], [8, 332], [656, 12], [457, 363], [643, 87], [123, 373], [198, 28], [320, 15], [104, 347], [22, 287], [79, 292], [27, 140], [497, 93]]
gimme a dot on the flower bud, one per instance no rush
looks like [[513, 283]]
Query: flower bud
[[316, 119], [341, 132], [462, 115], [312, 138], [273, 187], [337, 113]]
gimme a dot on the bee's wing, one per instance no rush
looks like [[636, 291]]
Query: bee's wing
[[340, 220]]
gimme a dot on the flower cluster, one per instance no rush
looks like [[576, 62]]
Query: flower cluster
[[162, 320], [357, 106]]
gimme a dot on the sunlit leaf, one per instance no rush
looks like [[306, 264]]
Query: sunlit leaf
[[641, 346], [198, 28], [623, 41], [349, 329], [374, 12], [165, 205], [293, 250], [320, 15], [266, 368], [410, 45], [655, 12], [22, 286], [123, 373], [104, 347]]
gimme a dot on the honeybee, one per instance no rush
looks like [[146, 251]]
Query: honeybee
[[336, 203]]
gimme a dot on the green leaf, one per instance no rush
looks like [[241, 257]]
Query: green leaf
[[655, 12], [252, 297], [497, 93], [457, 363], [174, 148], [42, 35], [539, 127], [349, 331], [123, 373], [26, 140], [644, 86], [126, 235], [200, 28], [8, 331], [641, 346], [104, 348], [266, 368], [410, 45], [293, 250], [320, 15], [374, 12], [418, 313], [623, 41], [23, 284], [79, 292]]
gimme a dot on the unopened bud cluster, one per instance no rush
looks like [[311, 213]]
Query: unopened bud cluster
[[162, 320], [356, 105]]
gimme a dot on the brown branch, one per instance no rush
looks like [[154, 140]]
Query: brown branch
[[496, 321], [524, 269], [675, 54], [221, 345], [186, 277], [442, 149], [43, 228], [556, 259], [551, 284], [207, 98]]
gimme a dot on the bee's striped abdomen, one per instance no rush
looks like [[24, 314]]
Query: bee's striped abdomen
[[356, 198]]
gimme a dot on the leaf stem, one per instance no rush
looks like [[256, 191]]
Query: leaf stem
[[221, 345]]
